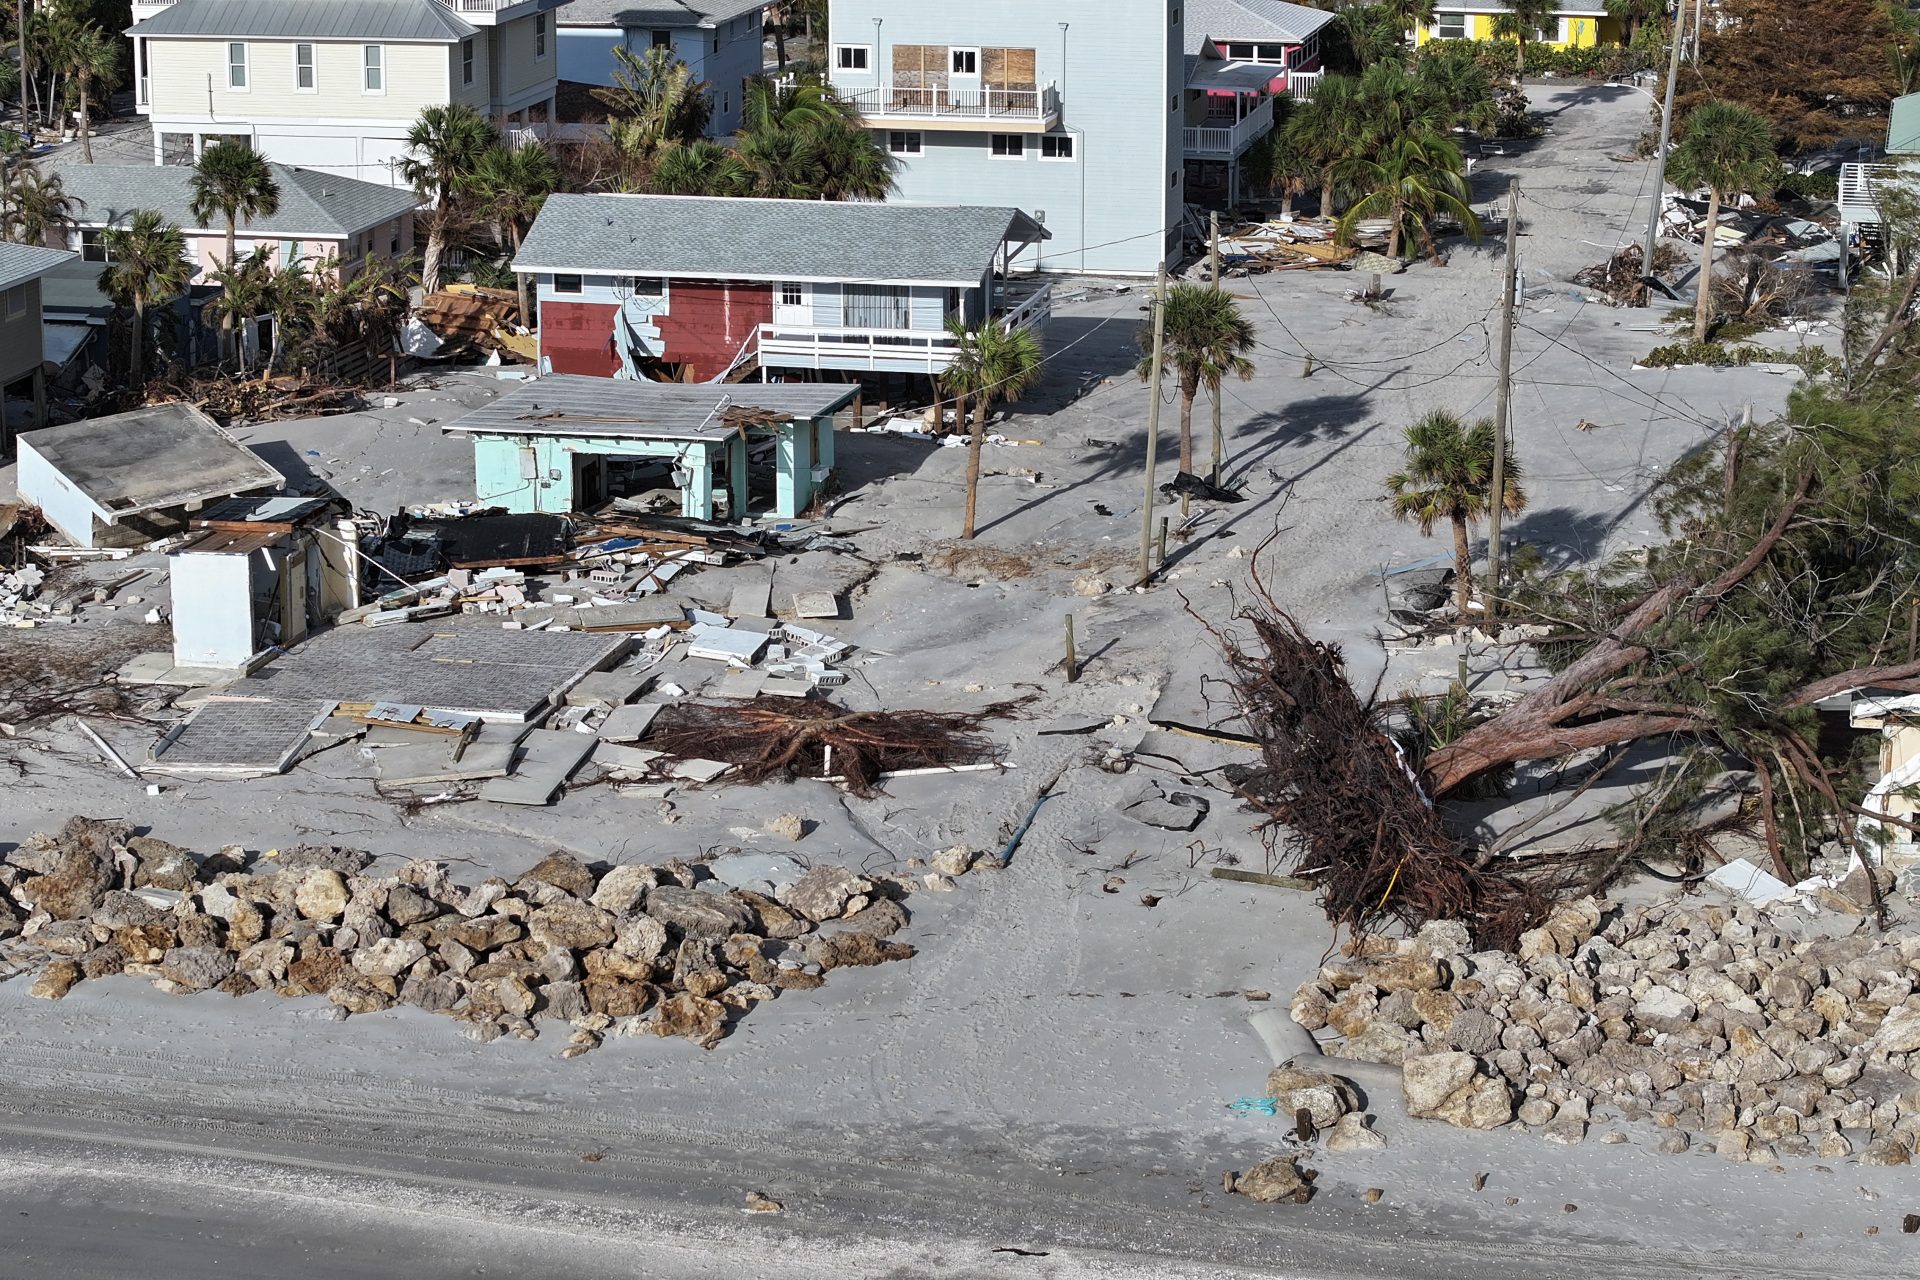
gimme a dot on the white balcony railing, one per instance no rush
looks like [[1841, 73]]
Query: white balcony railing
[[882, 350], [1301, 84], [946, 102], [1225, 141]]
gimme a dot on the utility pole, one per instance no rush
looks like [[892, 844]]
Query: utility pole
[[1213, 261], [1503, 407], [1666, 138], [1153, 418]]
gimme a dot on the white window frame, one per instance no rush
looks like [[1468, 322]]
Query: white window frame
[[245, 66], [792, 294], [311, 66], [1073, 148], [539, 37], [912, 142], [1007, 146], [377, 68], [579, 284], [1441, 23], [100, 244], [864, 53], [955, 54], [466, 61], [1557, 34]]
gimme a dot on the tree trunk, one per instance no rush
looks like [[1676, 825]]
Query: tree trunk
[[233, 244], [238, 331], [1703, 304], [1520, 60], [137, 348], [1462, 568], [1219, 436], [1187, 393], [430, 264], [86, 126], [1326, 198], [780, 42], [1397, 214], [976, 441], [959, 415], [26, 67], [1286, 204]]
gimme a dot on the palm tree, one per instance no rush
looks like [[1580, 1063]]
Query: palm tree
[[510, 186], [1635, 14], [655, 101], [848, 161], [1206, 339], [33, 205], [444, 149], [699, 168], [243, 295], [1283, 161], [1410, 181], [1523, 21], [1372, 33], [991, 364], [1456, 80], [766, 105], [777, 162], [1323, 131], [1409, 14], [1727, 149], [233, 181], [1449, 476], [146, 263], [92, 61], [291, 301]]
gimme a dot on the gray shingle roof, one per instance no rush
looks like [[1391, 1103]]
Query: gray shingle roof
[[642, 410], [664, 14], [818, 240], [308, 20], [311, 203], [20, 262], [1251, 20]]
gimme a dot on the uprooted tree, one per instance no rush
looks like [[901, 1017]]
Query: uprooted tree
[[1791, 575]]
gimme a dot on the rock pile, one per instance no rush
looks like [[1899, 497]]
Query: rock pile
[[1717, 1024], [665, 950]]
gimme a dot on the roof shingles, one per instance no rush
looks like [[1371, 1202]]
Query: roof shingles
[[818, 240], [1251, 20], [399, 20], [312, 203]]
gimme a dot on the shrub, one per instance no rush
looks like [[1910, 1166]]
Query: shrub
[[1713, 354]]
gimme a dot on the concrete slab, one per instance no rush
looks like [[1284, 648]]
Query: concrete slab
[[623, 759], [752, 594], [546, 760], [239, 739], [608, 688], [700, 770], [421, 765], [159, 668], [629, 723], [815, 604], [744, 685]]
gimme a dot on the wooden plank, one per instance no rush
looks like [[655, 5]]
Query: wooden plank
[[1258, 877]]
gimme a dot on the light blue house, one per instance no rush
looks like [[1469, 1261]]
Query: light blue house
[[567, 443], [721, 41]]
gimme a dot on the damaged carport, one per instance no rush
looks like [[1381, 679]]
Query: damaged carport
[[546, 447]]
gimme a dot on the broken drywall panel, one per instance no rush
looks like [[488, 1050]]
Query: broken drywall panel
[[547, 758]]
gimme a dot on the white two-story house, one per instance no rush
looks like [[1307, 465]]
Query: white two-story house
[[336, 84]]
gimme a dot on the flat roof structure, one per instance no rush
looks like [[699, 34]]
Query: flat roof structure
[[565, 404]]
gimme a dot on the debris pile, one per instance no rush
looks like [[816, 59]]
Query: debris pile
[[1255, 248], [681, 949], [465, 321], [228, 400], [1731, 1031], [1620, 279]]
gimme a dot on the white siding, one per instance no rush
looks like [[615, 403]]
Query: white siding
[[416, 76]]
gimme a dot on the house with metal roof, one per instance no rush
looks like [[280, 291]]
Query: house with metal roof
[[1241, 54], [23, 383], [335, 84], [704, 289], [336, 224], [723, 42], [565, 443]]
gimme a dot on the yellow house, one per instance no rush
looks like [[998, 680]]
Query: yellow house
[[1571, 28]]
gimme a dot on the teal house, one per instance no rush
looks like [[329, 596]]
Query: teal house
[[570, 443]]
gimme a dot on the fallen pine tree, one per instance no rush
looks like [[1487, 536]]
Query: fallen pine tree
[[1790, 576]]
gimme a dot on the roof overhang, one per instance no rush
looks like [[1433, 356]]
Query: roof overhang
[[20, 263], [1233, 77], [601, 269]]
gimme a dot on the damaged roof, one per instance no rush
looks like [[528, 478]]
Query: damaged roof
[[825, 241], [163, 455], [312, 203], [396, 20], [569, 404]]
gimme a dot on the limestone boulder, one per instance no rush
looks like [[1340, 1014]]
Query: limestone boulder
[[572, 924], [695, 913], [196, 968], [1352, 1135], [624, 888], [564, 872], [691, 1017], [826, 892], [321, 895], [388, 957], [1429, 1081], [1276, 1181]]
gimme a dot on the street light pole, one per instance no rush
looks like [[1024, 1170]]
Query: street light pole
[[1666, 137]]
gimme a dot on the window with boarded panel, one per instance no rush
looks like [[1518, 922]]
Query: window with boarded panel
[[919, 74], [1008, 68]]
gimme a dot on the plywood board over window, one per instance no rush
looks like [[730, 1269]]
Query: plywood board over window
[[919, 74], [1008, 69]]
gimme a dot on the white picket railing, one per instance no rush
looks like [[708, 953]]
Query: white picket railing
[[1229, 140], [889, 101]]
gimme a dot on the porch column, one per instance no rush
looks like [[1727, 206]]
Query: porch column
[[737, 474], [696, 495], [823, 441]]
